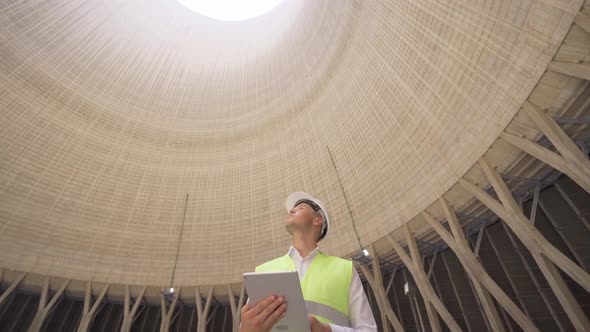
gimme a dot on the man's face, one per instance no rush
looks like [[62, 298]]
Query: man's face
[[301, 217]]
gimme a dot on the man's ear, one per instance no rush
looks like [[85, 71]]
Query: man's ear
[[318, 220]]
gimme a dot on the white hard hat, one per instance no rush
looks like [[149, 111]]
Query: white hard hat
[[297, 197]]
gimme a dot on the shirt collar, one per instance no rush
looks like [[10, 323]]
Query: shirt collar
[[293, 251]]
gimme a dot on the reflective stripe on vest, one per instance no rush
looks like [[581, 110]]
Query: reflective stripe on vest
[[322, 310], [326, 283]]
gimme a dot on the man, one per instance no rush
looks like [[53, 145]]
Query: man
[[331, 287]]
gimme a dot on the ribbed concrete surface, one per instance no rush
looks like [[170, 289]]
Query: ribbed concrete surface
[[112, 112]]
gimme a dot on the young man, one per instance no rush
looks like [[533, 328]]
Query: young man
[[331, 287]]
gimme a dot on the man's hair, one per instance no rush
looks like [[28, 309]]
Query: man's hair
[[324, 228]]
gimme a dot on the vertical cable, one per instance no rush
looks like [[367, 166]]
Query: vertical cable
[[179, 240], [345, 198]]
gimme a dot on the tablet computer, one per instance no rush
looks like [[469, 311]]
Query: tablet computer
[[262, 284]]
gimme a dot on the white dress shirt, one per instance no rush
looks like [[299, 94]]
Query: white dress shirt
[[361, 317]]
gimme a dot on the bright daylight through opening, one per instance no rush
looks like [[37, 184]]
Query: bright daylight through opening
[[231, 10]]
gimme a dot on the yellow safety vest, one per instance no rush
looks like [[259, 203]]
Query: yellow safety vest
[[325, 286]]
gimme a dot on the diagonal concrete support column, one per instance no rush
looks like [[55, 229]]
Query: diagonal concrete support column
[[414, 265], [12, 287], [167, 312], [485, 287], [570, 160], [235, 307], [44, 307], [544, 253], [379, 284], [129, 314], [203, 312], [88, 312], [534, 278], [578, 70], [380, 297], [583, 21]]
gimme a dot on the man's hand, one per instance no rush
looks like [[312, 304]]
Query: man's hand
[[264, 315], [317, 326]]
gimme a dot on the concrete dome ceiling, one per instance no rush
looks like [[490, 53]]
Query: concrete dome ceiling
[[114, 111]]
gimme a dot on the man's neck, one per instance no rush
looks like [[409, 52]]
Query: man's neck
[[304, 245]]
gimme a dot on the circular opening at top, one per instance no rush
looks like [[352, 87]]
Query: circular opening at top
[[230, 10]]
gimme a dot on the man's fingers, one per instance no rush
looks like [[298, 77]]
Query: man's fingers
[[271, 308], [245, 309], [279, 313], [259, 307]]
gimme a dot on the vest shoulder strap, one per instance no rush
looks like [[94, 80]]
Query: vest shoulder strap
[[283, 263]]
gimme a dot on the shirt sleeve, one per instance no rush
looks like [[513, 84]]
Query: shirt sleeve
[[361, 316]]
